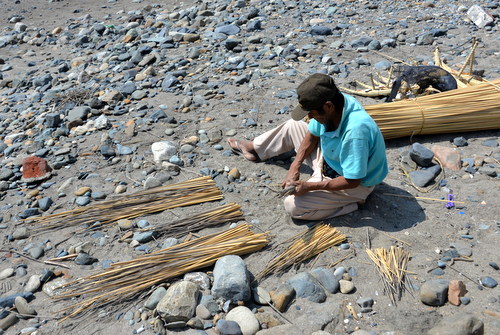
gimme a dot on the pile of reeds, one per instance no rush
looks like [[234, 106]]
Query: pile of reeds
[[153, 200], [305, 245], [124, 281], [193, 223], [465, 109], [392, 267]]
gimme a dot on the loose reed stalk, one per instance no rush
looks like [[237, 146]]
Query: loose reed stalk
[[154, 200], [127, 280], [391, 266], [304, 246], [466, 109]]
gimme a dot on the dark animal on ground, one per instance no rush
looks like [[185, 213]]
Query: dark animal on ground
[[418, 79]]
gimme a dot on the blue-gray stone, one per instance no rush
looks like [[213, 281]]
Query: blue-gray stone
[[52, 120], [254, 25], [320, 30], [231, 280], [421, 155], [374, 45], [8, 301], [345, 246], [78, 113], [142, 223], [434, 292], [437, 272], [439, 32], [169, 242], [43, 80], [487, 281], [326, 278], [123, 150], [155, 298], [389, 42], [383, 65], [127, 88], [36, 252], [82, 200], [84, 259], [465, 300], [490, 143], [228, 29], [494, 265], [6, 173], [460, 141], [361, 42], [422, 178], [98, 195], [29, 212], [226, 327], [306, 286], [169, 82], [144, 237], [210, 303], [441, 264], [425, 39], [365, 302], [176, 160]]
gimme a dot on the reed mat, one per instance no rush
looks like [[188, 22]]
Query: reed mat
[[305, 245], [471, 108], [392, 267], [153, 200], [127, 280]]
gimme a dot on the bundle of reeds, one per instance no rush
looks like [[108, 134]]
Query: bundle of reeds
[[127, 280], [153, 200], [305, 245], [465, 109], [210, 218], [392, 267]]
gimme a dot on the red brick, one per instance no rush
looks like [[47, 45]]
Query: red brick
[[35, 167]]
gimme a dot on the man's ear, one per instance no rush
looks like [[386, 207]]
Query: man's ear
[[330, 106]]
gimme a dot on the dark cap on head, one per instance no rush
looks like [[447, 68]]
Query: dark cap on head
[[313, 93]]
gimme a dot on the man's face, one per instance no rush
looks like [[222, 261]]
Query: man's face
[[319, 115]]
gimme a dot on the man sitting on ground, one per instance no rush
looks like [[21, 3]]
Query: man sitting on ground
[[341, 143]]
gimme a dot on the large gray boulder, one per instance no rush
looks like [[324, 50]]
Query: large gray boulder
[[180, 301], [231, 280]]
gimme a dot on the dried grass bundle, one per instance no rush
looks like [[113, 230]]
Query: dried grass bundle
[[154, 200], [124, 281], [465, 109], [210, 218], [308, 244], [391, 266]]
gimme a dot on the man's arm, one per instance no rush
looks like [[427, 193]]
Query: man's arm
[[336, 184], [307, 146]]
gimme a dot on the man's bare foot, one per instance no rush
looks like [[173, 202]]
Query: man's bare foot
[[244, 148]]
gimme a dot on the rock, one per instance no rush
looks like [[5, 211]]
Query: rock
[[346, 286], [479, 16], [36, 252], [320, 30], [155, 298], [162, 151], [51, 288], [82, 201], [199, 278], [306, 286], [363, 332], [6, 174], [228, 327], [202, 312], [492, 143], [229, 29], [261, 295], [8, 321], [179, 302], [434, 292], [456, 290], [24, 308], [365, 304], [247, 321], [422, 178], [234, 173], [29, 212], [458, 324], [33, 284], [20, 233], [144, 237], [283, 296], [125, 224], [449, 157], [45, 203], [460, 141], [487, 281], [326, 278], [78, 114], [35, 168], [231, 280], [6, 273], [421, 155], [85, 259], [195, 323]]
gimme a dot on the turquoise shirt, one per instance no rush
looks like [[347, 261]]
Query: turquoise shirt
[[356, 149]]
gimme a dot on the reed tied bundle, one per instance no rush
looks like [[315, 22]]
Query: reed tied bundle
[[305, 245], [465, 109], [153, 200], [124, 281], [392, 267]]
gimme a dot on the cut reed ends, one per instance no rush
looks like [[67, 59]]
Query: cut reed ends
[[392, 267], [128, 280], [465, 109], [154, 200], [308, 244]]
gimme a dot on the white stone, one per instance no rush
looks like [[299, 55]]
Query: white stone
[[247, 321], [479, 16], [162, 151], [6, 273], [33, 284], [51, 288], [101, 122], [261, 295]]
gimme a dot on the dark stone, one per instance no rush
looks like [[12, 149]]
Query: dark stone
[[421, 155], [320, 30]]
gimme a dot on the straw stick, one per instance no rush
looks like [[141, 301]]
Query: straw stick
[[423, 198], [467, 109], [154, 200], [304, 246], [128, 280]]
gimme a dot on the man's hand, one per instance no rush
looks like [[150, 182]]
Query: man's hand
[[301, 187], [290, 177]]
